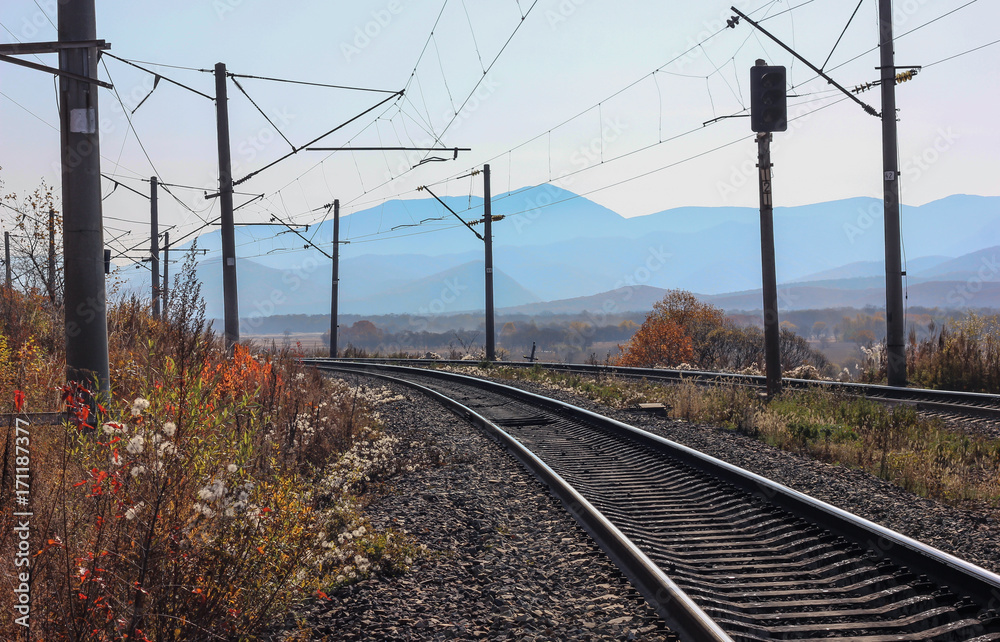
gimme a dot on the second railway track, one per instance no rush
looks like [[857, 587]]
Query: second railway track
[[760, 561]]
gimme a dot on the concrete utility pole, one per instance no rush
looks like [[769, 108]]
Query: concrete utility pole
[[231, 302], [488, 237], [894, 315], [154, 245], [335, 294], [83, 233], [166, 271], [52, 255], [6, 253]]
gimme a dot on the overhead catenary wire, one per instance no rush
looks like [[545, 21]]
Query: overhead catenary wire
[[128, 119], [262, 113], [234, 76], [385, 236], [841, 37], [630, 85], [158, 75], [937, 62], [296, 150]]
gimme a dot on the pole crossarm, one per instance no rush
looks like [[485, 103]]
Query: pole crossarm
[[296, 233], [296, 150], [29, 48], [478, 235], [868, 108], [54, 71]]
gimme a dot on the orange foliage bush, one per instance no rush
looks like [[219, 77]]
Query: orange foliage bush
[[655, 344], [240, 375], [676, 331]]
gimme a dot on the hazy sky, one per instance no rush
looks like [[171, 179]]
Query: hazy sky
[[549, 105]]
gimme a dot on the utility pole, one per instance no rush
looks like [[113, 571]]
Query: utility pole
[[166, 270], [334, 319], [488, 234], [6, 253], [231, 303], [154, 246], [894, 316], [83, 232], [52, 255]]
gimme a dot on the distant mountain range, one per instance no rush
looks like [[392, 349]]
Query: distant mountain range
[[574, 253]]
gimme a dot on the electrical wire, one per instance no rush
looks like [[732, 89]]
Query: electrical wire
[[937, 62], [306, 83], [266, 117], [179, 84], [841, 37], [128, 118]]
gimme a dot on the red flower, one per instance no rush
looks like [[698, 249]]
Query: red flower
[[18, 400]]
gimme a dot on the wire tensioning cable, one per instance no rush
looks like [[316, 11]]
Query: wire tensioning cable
[[148, 71], [304, 82], [296, 150]]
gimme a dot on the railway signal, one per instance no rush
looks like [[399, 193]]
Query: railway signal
[[768, 113], [768, 103]]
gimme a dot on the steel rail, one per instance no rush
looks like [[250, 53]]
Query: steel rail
[[681, 612], [975, 403], [946, 570]]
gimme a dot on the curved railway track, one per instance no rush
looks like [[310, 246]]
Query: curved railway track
[[721, 553], [942, 403]]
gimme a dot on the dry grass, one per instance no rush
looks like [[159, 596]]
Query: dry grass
[[921, 455]]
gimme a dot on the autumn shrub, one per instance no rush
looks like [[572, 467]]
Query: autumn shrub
[[207, 495], [682, 330], [31, 360], [964, 357]]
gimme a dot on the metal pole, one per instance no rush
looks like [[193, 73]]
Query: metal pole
[[334, 320], [166, 270], [772, 332], [488, 237], [232, 310], [6, 252], [83, 234], [154, 246], [52, 255], [894, 316]]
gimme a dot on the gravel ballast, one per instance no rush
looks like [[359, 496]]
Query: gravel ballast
[[971, 535], [505, 561], [508, 562]]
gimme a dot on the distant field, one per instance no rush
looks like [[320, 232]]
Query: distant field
[[308, 340]]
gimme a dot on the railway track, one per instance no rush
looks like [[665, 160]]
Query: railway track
[[943, 403], [721, 553]]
